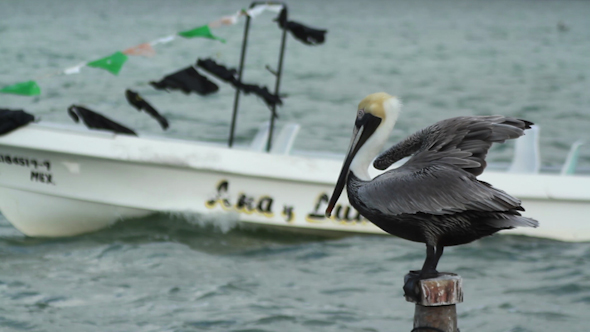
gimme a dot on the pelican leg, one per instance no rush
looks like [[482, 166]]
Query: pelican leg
[[429, 267], [439, 252], [411, 280]]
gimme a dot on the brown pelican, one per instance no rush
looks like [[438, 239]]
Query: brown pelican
[[435, 197]]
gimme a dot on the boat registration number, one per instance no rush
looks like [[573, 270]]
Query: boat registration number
[[40, 169]]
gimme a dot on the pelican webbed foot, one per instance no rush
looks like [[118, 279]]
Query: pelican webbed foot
[[412, 283]]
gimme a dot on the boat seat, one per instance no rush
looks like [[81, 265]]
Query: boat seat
[[259, 141], [284, 142], [569, 167], [281, 144], [526, 153]]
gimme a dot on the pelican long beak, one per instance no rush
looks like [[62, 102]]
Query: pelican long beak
[[364, 128], [344, 171]]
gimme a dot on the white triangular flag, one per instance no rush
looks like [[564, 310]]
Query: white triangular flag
[[75, 69], [163, 40]]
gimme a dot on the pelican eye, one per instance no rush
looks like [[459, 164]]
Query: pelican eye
[[360, 113]]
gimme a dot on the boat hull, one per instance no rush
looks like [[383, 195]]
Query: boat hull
[[45, 215]]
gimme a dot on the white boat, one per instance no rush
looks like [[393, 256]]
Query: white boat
[[60, 180], [63, 180]]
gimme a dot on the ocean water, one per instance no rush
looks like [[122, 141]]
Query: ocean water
[[443, 58]]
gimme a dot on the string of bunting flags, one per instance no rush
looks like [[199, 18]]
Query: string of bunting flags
[[114, 62]]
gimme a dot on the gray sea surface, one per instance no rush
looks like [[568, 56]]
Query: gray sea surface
[[443, 58]]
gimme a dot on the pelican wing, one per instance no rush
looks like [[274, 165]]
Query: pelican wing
[[436, 189], [461, 141]]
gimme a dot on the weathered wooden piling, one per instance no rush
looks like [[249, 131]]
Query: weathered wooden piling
[[435, 311]]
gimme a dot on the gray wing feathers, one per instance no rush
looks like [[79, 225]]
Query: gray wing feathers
[[437, 190], [461, 141], [513, 221], [440, 177], [400, 150]]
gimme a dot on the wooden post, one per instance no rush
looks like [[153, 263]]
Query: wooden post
[[435, 310]]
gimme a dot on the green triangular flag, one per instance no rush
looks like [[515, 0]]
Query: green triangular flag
[[112, 63], [202, 31], [28, 88]]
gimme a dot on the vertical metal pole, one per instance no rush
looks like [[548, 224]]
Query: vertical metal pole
[[436, 300], [277, 85], [240, 70]]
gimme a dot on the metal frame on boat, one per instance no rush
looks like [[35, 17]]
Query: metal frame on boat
[[61, 180]]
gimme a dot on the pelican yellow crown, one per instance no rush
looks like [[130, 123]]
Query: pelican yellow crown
[[374, 103]]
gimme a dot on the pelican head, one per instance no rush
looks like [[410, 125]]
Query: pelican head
[[375, 118]]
